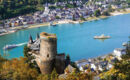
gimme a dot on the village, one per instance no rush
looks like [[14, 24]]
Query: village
[[101, 63], [57, 15], [96, 65]]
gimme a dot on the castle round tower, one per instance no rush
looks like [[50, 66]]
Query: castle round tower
[[48, 52]]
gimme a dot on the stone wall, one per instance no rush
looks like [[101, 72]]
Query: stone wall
[[46, 67], [48, 46], [48, 52], [60, 63]]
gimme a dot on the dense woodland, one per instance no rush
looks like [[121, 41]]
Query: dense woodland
[[12, 8]]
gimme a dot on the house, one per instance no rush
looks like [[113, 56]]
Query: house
[[69, 17], [118, 52], [100, 68], [82, 62], [109, 66], [69, 69], [109, 1], [105, 5], [83, 68], [103, 64], [93, 66]]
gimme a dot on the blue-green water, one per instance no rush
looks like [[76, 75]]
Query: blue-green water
[[77, 39]]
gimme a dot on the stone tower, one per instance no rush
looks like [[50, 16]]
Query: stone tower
[[48, 52]]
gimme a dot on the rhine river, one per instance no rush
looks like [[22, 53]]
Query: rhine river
[[76, 39]]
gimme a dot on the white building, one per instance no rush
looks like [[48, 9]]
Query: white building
[[118, 52], [100, 68], [93, 66], [81, 68], [109, 66]]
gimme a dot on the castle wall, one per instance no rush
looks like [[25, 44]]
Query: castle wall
[[46, 67], [48, 49], [60, 63], [48, 52]]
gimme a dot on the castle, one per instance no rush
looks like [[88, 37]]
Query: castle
[[44, 49]]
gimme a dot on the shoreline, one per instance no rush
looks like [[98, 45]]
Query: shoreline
[[66, 21]]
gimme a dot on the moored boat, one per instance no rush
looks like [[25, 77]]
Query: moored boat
[[102, 37], [52, 24]]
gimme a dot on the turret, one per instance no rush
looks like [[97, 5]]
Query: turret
[[48, 52], [37, 37], [30, 41]]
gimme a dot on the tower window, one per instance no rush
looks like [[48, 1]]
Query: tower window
[[47, 55]]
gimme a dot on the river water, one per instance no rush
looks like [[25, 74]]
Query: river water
[[76, 39]]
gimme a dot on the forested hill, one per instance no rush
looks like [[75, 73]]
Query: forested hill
[[12, 8]]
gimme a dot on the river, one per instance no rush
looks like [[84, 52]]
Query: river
[[76, 39]]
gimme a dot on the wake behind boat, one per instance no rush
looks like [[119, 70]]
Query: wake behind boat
[[102, 37], [7, 47]]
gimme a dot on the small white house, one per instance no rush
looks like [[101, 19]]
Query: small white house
[[81, 68], [93, 66], [109, 66], [100, 68], [118, 52]]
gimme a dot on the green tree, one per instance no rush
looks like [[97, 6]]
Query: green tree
[[30, 59], [106, 13], [110, 8], [25, 51], [43, 77], [82, 18], [97, 13], [17, 69], [54, 75]]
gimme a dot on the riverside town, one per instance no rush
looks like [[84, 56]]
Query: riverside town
[[64, 39]]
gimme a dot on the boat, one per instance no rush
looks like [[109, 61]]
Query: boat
[[11, 30], [53, 24], [7, 47], [24, 27], [102, 37]]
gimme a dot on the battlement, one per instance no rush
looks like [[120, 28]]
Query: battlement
[[45, 35]]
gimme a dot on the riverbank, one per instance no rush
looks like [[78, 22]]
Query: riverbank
[[66, 21], [23, 27], [120, 12]]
